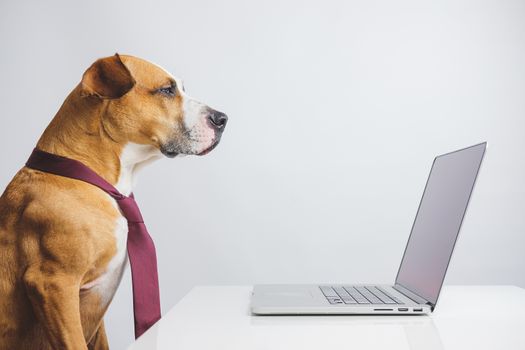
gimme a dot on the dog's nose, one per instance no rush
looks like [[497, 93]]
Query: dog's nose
[[218, 119]]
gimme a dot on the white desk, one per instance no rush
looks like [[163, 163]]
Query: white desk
[[488, 317]]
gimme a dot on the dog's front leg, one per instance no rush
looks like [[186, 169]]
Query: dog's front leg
[[99, 341], [54, 296]]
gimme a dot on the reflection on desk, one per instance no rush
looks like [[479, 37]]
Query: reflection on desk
[[409, 332], [488, 317]]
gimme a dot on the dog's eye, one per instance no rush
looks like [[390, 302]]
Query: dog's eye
[[168, 90]]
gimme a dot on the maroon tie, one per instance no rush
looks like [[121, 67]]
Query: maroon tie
[[141, 250]]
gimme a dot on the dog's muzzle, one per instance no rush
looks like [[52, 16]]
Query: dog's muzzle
[[217, 121]]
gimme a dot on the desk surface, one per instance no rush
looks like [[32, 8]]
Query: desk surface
[[485, 317]]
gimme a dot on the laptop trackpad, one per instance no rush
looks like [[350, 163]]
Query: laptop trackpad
[[287, 291]]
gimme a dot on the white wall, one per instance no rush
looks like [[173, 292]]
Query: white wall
[[336, 111]]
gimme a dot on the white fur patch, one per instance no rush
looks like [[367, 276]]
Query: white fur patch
[[107, 283], [194, 111], [132, 159], [195, 121]]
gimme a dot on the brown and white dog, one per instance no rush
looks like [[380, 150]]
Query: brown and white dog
[[63, 241]]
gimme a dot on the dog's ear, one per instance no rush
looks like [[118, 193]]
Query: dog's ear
[[107, 78]]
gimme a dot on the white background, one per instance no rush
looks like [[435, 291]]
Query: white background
[[336, 112]]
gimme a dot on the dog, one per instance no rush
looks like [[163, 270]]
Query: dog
[[63, 241]]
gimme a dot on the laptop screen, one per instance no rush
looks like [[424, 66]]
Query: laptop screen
[[438, 221]]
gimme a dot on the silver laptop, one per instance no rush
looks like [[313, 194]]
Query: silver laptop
[[424, 263]]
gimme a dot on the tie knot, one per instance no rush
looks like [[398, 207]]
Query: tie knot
[[129, 209]]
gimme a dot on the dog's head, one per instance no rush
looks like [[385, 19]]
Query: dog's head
[[146, 105]]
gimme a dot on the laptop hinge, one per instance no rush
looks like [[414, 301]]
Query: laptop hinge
[[414, 297]]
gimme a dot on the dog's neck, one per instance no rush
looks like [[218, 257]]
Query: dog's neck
[[77, 131], [132, 158]]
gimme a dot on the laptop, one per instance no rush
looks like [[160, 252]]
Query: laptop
[[424, 263]]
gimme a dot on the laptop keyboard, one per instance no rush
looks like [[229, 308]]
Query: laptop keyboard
[[358, 295]]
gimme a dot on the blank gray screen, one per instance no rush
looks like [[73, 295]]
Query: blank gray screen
[[438, 221]]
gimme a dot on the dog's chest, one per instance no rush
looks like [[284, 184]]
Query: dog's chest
[[133, 157], [107, 283]]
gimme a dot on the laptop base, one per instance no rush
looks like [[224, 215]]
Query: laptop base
[[281, 299]]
